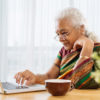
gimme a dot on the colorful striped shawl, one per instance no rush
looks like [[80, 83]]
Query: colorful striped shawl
[[81, 76]]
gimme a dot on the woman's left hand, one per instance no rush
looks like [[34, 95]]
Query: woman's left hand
[[87, 46]]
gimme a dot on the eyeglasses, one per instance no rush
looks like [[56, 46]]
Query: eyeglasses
[[63, 35]]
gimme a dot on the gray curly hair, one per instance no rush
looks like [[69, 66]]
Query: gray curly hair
[[77, 19]]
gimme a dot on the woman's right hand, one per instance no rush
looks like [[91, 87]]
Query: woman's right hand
[[26, 75]]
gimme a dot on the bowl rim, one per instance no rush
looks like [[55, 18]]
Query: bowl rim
[[57, 81]]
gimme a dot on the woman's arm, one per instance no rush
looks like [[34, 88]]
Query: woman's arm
[[87, 46], [51, 74], [39, 78]]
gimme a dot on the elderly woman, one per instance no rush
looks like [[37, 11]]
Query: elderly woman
[[74, 59]]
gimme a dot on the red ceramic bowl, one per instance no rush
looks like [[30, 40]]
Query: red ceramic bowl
[[57, 87]]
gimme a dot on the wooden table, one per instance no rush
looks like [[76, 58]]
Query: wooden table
[[44, 95]]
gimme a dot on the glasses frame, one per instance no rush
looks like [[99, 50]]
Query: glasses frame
[[64, 35]]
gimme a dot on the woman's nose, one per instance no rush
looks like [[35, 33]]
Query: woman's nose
[[61, 38]]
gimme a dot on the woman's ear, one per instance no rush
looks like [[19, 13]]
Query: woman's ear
[[82, 29]]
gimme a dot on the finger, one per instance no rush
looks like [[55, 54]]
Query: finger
[[18, 78], [22, 81], [15, 76], [74, 47]]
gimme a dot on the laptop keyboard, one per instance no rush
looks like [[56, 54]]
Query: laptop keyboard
[[10, 86]]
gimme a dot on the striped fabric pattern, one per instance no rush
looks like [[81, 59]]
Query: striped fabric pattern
[[81, 76]]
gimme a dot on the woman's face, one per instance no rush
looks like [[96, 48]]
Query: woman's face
[[67, 33]]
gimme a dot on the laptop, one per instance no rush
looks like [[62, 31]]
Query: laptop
[[9, 88]]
